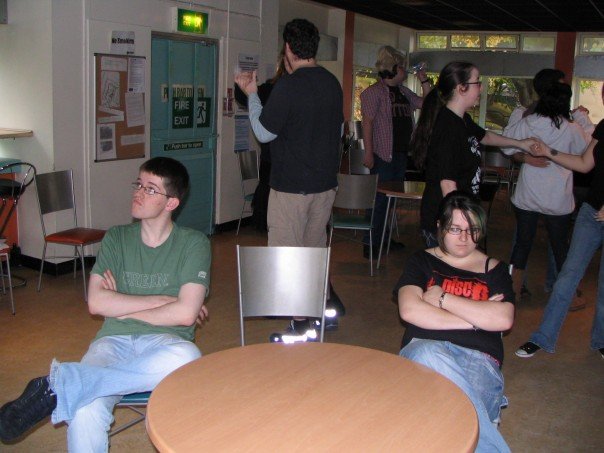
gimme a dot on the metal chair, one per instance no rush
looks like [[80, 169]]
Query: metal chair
[[248, 167], [55, 194], [355, 193], [135, 402], [16, 177], [282, 281]]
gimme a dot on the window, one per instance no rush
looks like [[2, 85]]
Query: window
[[501, 42], [588, 93], [466, 41], [592, 44], [538, 44], [503, 95], [425, 41]]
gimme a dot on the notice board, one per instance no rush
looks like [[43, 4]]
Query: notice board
[[120, 116]]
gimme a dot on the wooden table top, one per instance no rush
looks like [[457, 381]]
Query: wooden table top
[[411, 190], [309, 397]]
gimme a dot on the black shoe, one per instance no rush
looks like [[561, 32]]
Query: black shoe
[[601, 352], [334, 303], [298, 332], [35, 404], [527, 350]]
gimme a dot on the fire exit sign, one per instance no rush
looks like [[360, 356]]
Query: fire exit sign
[[192, 21]]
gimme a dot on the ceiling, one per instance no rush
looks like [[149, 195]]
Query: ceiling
[[482, 15]]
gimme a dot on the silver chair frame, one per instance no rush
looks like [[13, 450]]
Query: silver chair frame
[[282, 281]]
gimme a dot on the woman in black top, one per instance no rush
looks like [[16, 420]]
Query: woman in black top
[[446, 142], [456, 302]]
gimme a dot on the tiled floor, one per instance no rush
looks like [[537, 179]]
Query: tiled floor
[[556, 401]]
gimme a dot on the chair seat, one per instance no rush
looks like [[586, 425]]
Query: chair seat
[[357, 222], [76, 236], [135, 398]]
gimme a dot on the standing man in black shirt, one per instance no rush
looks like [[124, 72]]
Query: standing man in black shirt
[[303, 121]]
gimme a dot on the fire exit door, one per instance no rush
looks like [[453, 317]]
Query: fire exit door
[[183, 118]]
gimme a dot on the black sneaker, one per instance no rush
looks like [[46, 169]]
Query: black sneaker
[[601, 352], [527, 350], [35, 404], [298, 332], [334, 303]]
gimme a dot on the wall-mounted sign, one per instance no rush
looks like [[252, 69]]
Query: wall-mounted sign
[[192, 21], [182, 106], [122, 42]]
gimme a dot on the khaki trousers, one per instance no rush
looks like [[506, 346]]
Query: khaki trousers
[[297, 220]]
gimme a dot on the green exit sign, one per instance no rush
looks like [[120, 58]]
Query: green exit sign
[[192, 21]]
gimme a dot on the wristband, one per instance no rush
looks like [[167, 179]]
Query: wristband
[[424, 81], [553, 152], [441, 299]]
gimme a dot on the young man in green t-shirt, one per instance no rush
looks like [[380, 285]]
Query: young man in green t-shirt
[[149, 282]]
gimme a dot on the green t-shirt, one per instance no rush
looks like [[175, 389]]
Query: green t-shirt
[[141, 270]]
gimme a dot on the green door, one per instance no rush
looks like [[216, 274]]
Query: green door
[[183, 118]]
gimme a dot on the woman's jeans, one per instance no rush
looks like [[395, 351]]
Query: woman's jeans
[[113, 366], [587, 238], [476, 374], [558, 227]]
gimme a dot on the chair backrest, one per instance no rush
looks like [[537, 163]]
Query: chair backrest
[[357, 150], [55, 193], [282, 281], [20, 175], [356, 191], [492, 157], [248, 164], [14, 179]]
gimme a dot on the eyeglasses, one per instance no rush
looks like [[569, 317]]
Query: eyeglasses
[[456, 231], [136, 186], [479, 83]]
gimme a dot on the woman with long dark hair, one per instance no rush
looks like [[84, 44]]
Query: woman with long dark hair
[[446, 142], [545, 192]]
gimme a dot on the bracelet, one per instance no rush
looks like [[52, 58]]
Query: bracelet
[[441, 299], [553, 152], [424, 81]]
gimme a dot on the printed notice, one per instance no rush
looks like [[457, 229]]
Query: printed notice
[[242, 133], [110, 89], [134, 139], [136, 75], [135, 109], [114, 64], [105, 141]]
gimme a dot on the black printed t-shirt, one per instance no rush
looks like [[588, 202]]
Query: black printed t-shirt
[[402, 124], [304, 111], [595, 197], [453, 154], [425, 270]]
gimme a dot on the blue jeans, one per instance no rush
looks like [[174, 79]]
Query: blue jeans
[[588, 236], [476, 374], [113, 366], [558, 227], [386, 171], [552, 272]]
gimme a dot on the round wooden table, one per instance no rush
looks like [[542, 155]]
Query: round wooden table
[[309, 397]]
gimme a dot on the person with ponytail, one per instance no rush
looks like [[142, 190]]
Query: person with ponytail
[[446, 142]]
